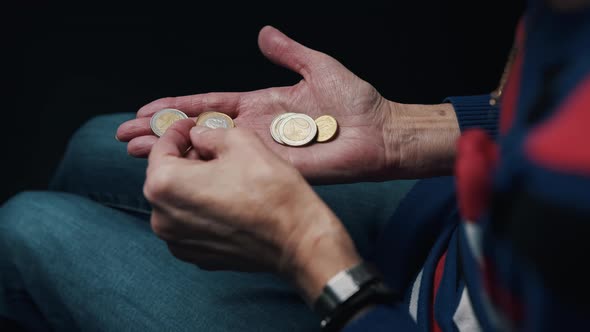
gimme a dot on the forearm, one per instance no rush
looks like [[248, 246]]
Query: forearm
[[420, 140], [317, 254], [320, 253]]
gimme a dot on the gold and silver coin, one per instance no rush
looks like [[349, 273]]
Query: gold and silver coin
[[327, 127], [163, 119], [274, 126], [297, 130], [215, 120]]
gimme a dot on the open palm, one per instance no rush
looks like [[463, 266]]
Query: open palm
[[327, 87]]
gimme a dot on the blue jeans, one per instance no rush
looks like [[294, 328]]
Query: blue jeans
[[83, 257]]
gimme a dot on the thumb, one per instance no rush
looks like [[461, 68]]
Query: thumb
[[284, 51], [174, 142], [208, 143]]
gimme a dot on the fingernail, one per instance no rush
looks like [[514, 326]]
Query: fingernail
[[199, 129], [117, 138]]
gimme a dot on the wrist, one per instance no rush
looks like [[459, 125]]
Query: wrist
[[349, 293], [319, 260], [420, 140], [316, 249]]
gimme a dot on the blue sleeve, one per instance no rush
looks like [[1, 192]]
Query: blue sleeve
[[476, 112], [383, 318]]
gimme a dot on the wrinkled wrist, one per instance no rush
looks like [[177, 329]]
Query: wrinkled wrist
[[420, 140], [317, 249], [324, 260]]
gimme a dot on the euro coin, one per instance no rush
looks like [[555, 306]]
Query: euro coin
[[274, 126], [327, 127], [215, 120], [163, 119], [297, 130]]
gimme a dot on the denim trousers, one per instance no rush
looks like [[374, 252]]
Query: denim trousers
[[81, 256]]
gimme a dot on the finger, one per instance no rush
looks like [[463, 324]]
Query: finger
[[213, 256], [192, 155], [175, 141], [131, 129], [284, 51], [204, 259], [168, 221], [141, 146], [224, 102], [208, 143], [134, 128], [206, 229]]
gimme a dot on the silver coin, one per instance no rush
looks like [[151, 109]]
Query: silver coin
[[163, 119], [297, 130], [215, 120], [274, 126], [215, 123]]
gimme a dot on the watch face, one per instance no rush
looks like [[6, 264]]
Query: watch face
[[343, 286]]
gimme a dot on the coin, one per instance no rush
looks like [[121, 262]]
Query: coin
[[215, 120], [297, 130], [327, 127], [163, 119], [274, 126]]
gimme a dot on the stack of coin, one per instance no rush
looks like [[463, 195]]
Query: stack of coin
[[296, 129], [163, 119]]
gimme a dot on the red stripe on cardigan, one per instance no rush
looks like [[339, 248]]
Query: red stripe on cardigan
[[477, 156], [561, 143], [438, 274]]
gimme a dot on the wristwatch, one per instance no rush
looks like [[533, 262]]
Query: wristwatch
[[348, 292]]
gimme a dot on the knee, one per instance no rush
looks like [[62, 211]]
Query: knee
[[96, 137], [91, 147], [102, 125], [40, 233], [25, 219]]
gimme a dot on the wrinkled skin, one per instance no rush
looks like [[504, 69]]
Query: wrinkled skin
[[359, 151]]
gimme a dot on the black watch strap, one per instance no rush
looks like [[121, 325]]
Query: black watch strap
[[348, 292], [342, 286]]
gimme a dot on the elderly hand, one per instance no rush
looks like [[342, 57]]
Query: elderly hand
[[378, 139], [231, 203], [363, 150]]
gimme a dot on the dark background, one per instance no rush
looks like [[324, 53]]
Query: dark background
[[63, 64]]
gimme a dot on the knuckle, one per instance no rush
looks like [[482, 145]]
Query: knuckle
[[162, 228], [201, 100], [158, 183], [211, 100]]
